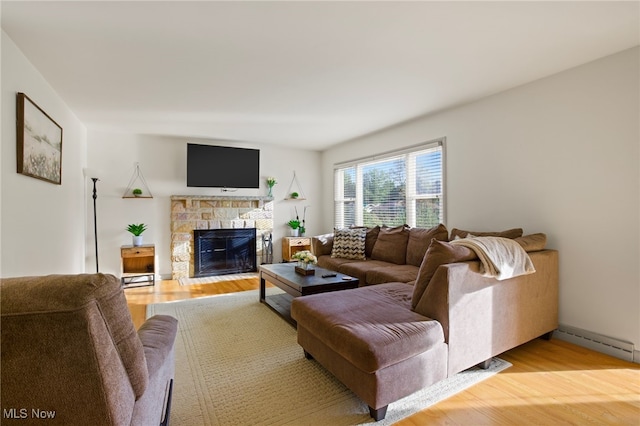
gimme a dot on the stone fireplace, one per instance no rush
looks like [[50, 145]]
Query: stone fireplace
[[194, 212]]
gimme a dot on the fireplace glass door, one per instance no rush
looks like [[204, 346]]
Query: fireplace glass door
[[224, 251]]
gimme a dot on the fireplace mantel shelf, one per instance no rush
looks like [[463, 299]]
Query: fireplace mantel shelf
[[222, 197]]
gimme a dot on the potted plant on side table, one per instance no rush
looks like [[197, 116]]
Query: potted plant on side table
[[137, 230], [294, 224]]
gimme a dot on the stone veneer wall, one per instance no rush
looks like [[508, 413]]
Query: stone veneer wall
[[189, 212]]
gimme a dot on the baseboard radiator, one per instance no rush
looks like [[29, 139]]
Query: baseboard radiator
[[607, 345]]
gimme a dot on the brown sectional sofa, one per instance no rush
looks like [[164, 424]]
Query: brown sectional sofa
[[391, 254], [389, 340]]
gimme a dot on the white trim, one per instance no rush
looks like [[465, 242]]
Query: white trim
[[390, 154], [598, 342]]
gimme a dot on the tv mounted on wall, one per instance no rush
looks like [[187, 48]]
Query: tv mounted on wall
[[222, 166]]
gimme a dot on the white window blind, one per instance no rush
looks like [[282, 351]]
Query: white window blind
[[395, 188]]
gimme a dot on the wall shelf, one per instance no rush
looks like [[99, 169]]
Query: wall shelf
[[137, 176], [291, 189]]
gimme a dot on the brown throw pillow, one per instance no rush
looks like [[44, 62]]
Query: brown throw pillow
[[438, 253], [372, 236], [509, 233], [533, 242], [419, 240], [322, 244], [391, 245]]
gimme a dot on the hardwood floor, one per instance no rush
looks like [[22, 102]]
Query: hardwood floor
[[170, 290], [550, 382]]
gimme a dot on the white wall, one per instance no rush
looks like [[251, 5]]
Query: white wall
[[42, 223], [559, 155], [163, 164]]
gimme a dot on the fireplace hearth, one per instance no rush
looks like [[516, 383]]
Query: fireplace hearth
[[224, 251]]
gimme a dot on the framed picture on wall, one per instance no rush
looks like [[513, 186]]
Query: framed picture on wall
[[39, 142]]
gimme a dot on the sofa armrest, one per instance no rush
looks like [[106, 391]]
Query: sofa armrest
[[157, 335], [322, 244], [483, 317]]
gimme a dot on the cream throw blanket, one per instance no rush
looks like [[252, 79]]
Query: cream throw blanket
[[500, 258]]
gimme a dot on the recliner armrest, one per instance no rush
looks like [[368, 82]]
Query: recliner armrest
[[157, 335]]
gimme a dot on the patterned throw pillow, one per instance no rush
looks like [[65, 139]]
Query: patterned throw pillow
[[349, 243]]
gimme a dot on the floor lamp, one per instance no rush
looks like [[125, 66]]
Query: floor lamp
[[95, 220]]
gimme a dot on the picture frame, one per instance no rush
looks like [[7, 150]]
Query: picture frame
[[39, 142]]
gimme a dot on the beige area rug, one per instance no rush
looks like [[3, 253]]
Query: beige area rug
[[238, 363], [217, 278]]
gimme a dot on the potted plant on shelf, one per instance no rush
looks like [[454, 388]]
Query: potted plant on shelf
[[137, 192], [137, 231], [294, 224]]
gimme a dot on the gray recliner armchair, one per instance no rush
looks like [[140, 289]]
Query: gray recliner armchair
[[70, 352]]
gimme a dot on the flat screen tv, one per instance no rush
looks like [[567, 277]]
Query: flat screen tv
[[222, 166]]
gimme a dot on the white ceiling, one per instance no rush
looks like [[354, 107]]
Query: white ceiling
[[310, 74]]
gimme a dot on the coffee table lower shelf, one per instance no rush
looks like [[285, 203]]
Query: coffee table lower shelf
[[281, 303]]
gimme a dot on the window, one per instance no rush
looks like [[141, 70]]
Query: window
[[395, 188]]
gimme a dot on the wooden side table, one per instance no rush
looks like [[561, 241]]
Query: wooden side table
[[138, 265], [292, 245]]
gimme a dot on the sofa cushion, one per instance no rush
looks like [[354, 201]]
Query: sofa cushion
[[438, 253], [383, 331], [532, 242], [333, 263], [349, 243], [419, 240], [359, 269], [391, 245], [372, 236], [392, 273], [509, 233]]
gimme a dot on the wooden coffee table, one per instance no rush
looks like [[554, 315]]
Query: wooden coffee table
[[283, 276]]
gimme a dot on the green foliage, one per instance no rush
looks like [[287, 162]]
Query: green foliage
[[294, 223], [396, 218], [428, 213], [137, 191], [136, 230], [294, 195]]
